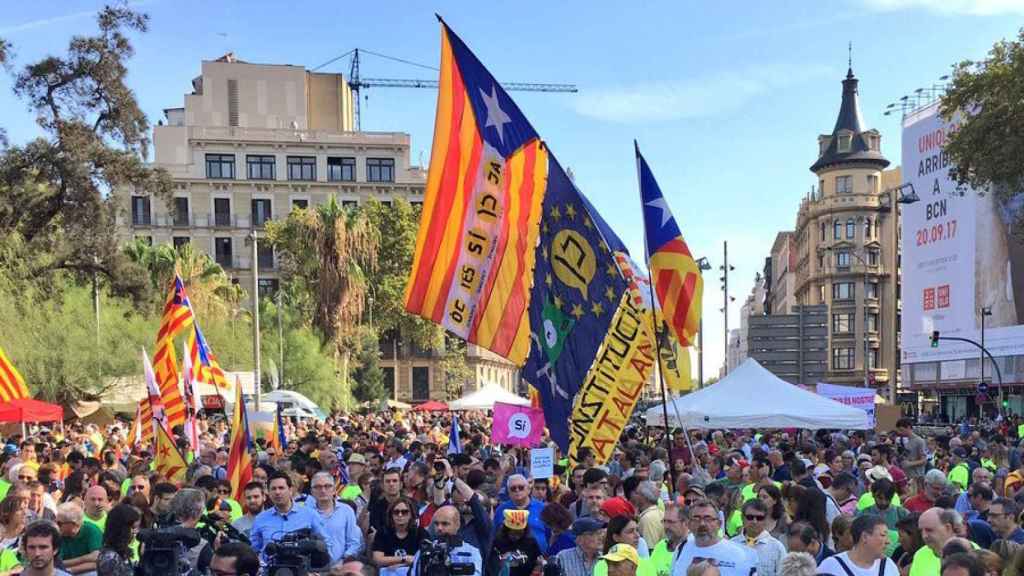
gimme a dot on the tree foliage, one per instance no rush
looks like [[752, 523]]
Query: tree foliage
[[307, 367], [986, 150], [367, 376]]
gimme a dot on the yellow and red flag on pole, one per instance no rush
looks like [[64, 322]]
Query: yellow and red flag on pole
[[239, 458], [177, 317], [205, 367], [135, 432], [475, 252], [169, 462], [12, 385], [674, 272]]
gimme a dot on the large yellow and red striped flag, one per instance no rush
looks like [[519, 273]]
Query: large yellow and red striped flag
[[239, 459], [674, 272], [475, 251], [12, 385], [168, 460], [177, 318]]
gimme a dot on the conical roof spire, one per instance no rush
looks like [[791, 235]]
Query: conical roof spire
[[850, 131]]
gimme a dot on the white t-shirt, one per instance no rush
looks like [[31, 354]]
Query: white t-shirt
[[832, 566], [732, 559]]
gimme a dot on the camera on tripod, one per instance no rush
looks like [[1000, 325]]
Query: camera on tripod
[[296, 554], [435, 558], [164, 552]]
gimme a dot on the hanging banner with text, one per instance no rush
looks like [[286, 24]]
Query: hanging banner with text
[[863, 398]]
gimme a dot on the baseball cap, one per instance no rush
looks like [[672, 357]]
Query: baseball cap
[[620, 552], [586, 524], [959, 452], [618, 506], [877, 473], [357, 458]]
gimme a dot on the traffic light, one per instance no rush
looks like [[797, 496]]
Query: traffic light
[[935, 339], [1006, 404]]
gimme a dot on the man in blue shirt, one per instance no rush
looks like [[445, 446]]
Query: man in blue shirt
[[338, 517], [273, 524], [519, 499], [446, 523]]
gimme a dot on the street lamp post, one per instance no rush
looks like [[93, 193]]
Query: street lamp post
[[892, 198], [987, 311], [255, 315], [702, 265]]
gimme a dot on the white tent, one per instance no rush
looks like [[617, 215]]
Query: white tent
[[752, 397], [484, 399]]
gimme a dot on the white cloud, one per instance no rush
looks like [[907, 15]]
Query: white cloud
[[949, 7], [697, 97], [33, 24]]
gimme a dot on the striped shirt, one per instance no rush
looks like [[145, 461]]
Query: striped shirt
[[571, 562]]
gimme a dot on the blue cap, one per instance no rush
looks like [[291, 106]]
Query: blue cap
[[586, 524], [11, 449]]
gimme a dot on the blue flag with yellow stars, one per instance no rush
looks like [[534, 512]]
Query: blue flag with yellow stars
[[577, 288]]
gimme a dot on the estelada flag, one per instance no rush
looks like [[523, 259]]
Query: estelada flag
[[481, 211], [674, 272], [12, 385], [169, 462], [177, 317]]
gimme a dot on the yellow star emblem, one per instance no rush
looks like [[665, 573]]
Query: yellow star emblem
[[548, 280], [611, 270], [544, 252], [570, 212], [604, 247], [577, 311], [609, 293], [555, 213], [558, 302], [587, 223], [597, 308]]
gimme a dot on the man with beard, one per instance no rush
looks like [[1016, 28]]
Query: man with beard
[[254, 499], [38, 548], [732, 559]]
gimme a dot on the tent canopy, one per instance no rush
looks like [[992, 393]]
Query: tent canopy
[[29, 410], [484, 399], [431, 406], [752, 397]]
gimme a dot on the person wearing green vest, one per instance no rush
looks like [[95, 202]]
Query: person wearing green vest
[[959, 471], [677, 531], [96, 504], [937, 527]]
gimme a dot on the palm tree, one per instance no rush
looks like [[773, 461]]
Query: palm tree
[[208, 286]]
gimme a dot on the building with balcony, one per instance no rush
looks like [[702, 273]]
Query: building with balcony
[[844, 253], [251, 143]]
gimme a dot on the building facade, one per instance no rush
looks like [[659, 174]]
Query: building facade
[[779, 274], [846, 250], [793, 346], [255, 141]]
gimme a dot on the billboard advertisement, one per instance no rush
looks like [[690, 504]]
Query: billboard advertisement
[[958, 255]]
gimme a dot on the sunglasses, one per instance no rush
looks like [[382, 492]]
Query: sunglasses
[[516, 488], [26, 478], [400, 512], [224, 490], [141, 488], [754, 517]]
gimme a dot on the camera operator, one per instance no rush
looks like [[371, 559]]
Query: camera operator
[[285, 517], [235, 559], [446, 524], [449, 488], [188, 506]]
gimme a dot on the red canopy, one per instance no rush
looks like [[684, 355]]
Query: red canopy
[[29, 410], [431, 406]]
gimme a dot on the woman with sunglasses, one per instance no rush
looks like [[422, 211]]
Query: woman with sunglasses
[[396, 545]]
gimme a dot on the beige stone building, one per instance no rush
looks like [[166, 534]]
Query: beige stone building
[[254, 141], [779, 273], [846, 249]]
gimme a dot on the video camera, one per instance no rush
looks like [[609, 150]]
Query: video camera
[[435, 558], [165, 551], [296, 554]]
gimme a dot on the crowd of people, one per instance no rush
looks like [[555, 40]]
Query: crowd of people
[[385, 493]]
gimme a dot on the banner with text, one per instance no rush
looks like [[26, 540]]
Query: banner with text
[[517, 425], [858, 397]]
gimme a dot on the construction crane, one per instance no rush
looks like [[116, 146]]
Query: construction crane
[[356, 83]]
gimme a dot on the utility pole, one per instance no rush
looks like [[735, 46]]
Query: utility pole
[[702, 265], [987, 311], [255, 314], [280, 337], [725, 268]]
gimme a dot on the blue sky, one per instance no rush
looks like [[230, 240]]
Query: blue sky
[[726, 99]]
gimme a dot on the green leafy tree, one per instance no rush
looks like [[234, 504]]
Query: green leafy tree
[[367, 375], [308, 367], [986, 150], [53, 190], [454, 368]]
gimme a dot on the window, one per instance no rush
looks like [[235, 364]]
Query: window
[[181, 211], [268, 287], [140, 211], [871, 290], [845, 143], [222, 252], [867, 229], [301, 168], [873, 257], [220, 166], [821, 261], [872, 183], [389, 380], [842, 290], [341, 169], [222, 212], [842, 323], [260, 167], [180, 241], [300, 203], [842, 259], [842, 358], [420, 383], [824, 231], [380, 169], [837, 230], [260, 211], [844, 184], [871, 321], [872, 358], [851, 229], [265, 255]]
